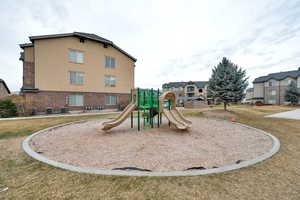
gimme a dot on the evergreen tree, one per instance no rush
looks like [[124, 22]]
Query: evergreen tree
[[228, 82], [291, 94]]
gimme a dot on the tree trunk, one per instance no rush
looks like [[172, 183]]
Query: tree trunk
[[225, 105]]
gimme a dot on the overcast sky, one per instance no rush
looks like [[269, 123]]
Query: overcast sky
[[172, 40]]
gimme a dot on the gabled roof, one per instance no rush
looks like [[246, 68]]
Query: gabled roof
[[278, 76], [3, 82], [90, 36], [26, 45], [174, 84], [199, 84]]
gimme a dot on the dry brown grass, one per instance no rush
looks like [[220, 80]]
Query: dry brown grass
[[276, 178]]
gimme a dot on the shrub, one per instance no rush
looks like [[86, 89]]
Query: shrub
[[7, 108], [24, 106]]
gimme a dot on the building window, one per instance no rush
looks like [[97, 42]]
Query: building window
[[110, 81], [75, 100], [76, 56], [76, 78], [273, 92], [110, 62], [190, 89], [271, 83], [271, 101], [200, 90], [111, 100]]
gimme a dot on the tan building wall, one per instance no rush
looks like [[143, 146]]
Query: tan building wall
[[272, 94], [196, 90], [258, 90], [52, 66]]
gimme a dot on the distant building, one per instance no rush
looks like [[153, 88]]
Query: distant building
[[77, 71], [249, 95], [4, 91], [185, 91], [271, 89]]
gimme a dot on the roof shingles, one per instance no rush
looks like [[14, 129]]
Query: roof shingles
[[199, 84], [278, 76], [78, 34]]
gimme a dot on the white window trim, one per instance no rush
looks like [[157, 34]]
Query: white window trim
[[273, 92], [109, 103], [74, 83], [73, 61], [75, 105], [110, 85], [109, 64]]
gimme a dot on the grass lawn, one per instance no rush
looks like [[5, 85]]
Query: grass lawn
[[276, 178]]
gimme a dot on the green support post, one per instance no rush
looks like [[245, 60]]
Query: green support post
[[151, 108], [138, 94], [158, 108], [131, 114]]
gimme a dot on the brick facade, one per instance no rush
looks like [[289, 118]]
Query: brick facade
[[55, 99], [28, 74]]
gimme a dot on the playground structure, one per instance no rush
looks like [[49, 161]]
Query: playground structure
[[150, 105]]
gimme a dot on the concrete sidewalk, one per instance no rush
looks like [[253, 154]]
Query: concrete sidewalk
[[60, 115], [294, 114]]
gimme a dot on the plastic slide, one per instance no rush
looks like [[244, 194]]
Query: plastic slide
[[172, 114], [122, 117], [179, 116], [179, 124]]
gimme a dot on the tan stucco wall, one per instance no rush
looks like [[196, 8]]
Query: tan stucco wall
[[52, 66], [196, 90], [258, 90], [29, 54]]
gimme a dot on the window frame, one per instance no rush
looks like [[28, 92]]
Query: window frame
[[75, 83], [69, 98], [76, 60], [110, 85], [273, 92], [109, 102], [188, 89], [108, 62]]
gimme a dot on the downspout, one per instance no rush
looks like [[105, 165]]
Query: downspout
[[279, 93]]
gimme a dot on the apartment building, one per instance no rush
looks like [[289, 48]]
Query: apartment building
[[75, 70], [271, 89], [190, 90], [249, 95], [4, 91]]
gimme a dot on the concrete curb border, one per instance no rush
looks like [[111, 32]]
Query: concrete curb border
[[33, 154], [60, 115]]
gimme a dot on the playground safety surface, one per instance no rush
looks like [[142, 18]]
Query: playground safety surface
[[209, 144]]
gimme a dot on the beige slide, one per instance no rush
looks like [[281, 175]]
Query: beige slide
[[173, 115], [122, 117]]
